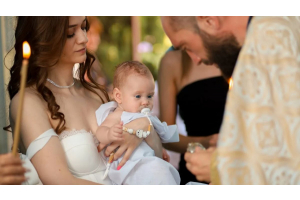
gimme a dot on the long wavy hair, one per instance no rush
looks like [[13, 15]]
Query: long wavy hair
[[47, 37]]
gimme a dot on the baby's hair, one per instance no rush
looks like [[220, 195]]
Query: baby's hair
[[126, 68]]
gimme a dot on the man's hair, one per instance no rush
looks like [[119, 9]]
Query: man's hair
[[124, 69], [184, 22]]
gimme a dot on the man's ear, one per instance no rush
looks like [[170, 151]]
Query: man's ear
[[117, 95], [210, 24]]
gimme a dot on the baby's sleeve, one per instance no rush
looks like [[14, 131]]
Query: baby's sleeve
[[165, 132]]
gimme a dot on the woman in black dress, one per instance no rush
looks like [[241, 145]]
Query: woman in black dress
[[200, 91]]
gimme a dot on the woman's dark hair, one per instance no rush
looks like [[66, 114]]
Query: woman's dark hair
[[47, 37]]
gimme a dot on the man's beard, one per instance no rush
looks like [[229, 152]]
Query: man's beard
[[221, 51]]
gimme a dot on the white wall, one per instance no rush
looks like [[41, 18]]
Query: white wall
[[6, 43]]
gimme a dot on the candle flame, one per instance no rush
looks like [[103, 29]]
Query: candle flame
[[230, 83], [26, 50]]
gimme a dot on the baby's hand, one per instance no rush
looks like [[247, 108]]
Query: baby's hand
[[116, 132]]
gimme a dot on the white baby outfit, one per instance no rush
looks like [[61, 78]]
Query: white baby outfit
[[143, 167]]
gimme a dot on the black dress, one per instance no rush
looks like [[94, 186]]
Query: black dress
[[201, 106]]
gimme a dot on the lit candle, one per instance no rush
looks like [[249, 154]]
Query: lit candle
[[26, 55], [230, 83]]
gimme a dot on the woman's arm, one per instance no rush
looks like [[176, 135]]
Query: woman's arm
[[169, 76], [50, 162], [131, 142], [181, 146]]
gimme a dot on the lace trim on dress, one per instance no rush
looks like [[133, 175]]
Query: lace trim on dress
[[72, 132]]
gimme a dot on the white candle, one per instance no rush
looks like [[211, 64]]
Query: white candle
[[26, 55]]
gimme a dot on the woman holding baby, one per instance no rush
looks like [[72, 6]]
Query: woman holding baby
[[58, 121]]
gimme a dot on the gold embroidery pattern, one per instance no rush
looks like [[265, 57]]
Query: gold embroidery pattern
[[259, 141]]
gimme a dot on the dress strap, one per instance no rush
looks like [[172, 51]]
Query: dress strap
[[39, 143]]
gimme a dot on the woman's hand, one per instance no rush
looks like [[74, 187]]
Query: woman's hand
[[11, 170], [165, 155], [130, 142]]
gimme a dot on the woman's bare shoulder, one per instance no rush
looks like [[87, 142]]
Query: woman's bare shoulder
[[170, 64], [171, 60], [34, 119], [32, 99]]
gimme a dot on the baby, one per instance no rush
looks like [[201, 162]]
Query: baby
[[133, 91]]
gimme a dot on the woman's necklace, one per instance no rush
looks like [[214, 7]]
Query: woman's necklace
[[62, 87]]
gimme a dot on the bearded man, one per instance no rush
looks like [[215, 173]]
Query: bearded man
[[259, 141]]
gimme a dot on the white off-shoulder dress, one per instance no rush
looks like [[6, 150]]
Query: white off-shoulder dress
[[80, 146], [143, 167]]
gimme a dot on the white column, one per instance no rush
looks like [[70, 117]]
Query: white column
[[6, 43]]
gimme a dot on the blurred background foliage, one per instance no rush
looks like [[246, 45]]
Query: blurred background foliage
[[116, 43]]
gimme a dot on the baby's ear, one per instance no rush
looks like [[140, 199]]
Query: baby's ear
[[117, 95]]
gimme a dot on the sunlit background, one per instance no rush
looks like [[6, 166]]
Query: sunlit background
[[116, 42]]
